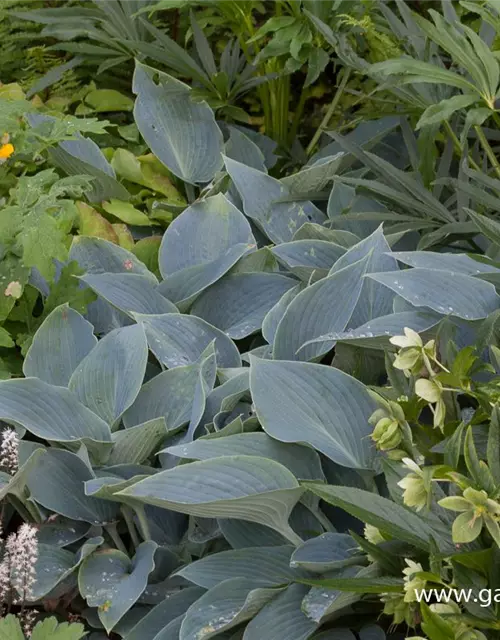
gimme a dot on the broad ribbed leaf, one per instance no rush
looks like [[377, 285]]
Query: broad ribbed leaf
[[242, 487], [137, 444], [273, 317], [261, 194], [445, 292], [376, 333], [108, 380], [317, 254], [96, 255], [315, 176], [58, 484], [177, 340], [317, 405], [109, 580], [223, 607], [374, 299], [303, 462], [282, 618], [457, 262], [237, 304], [129, 292], [51, 413], [156, 620], [203, 232], [268, 566], [326, 552], [172, 394], [323, 307], [60, 344], [380, 512], [181, 133]]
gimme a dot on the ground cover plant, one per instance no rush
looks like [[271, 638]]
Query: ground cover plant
[[249, 322]]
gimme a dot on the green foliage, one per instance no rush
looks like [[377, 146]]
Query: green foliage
[[48, 629]]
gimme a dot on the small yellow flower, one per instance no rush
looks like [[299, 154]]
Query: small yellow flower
[[6, 150]]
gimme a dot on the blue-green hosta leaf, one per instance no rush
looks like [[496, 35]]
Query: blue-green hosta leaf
[[137, 444], [374, 299], [442, 291], [51, 413], [314, 177], [241, 534], [58, 484], [273, 317], [376, 333], [61, 531], [183, 134], [15, 485], [237, 304], [129, 292], [109, 580], [320, 602], [457, 262], [236, 385], [386, 515], [184, 286], [223, 607], [320, 406], [96, 255], [303, 462], [269, 566], [316, 254], [177, 340], [241, 148], [261, 194], [326, 552], [202, 233], [108, 380], [60, 344], [55, 565], [321, 308], [242, 487], [156, 621], [282, 618], [172, 394]]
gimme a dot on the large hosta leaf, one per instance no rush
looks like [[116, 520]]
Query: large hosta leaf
[[156, 621], [386, 515], [181, 133], [323, 307], [282, 618], [324, 553], [316, 254], [51, 413], [177, 340], [318, 405], [58, 483], [172, 394], [109, 580], [242, 487], [303, 462], [374, 300], [223, 607], [261, 195], [108, 380], [376, 333], [59, 345], [457, 262], [96, 255], [129, 292], [202, 233], [268, 566], [135, 445], [237, 304], [446, 292]]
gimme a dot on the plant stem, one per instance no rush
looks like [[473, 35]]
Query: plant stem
[[329, 113], [115, 536], [143, 522], [190, 193], [298, 115], [129, 521], [458, 146], [489, 151]]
